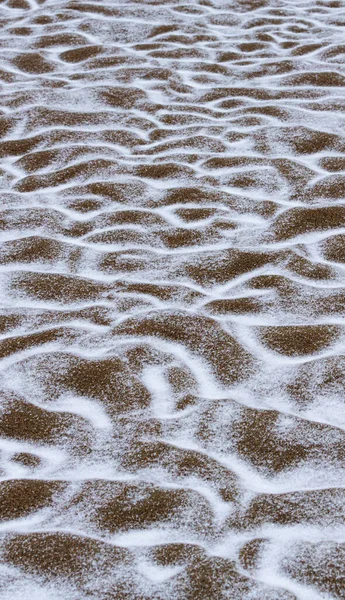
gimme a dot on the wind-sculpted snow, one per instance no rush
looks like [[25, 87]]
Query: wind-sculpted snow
[[172, 300]]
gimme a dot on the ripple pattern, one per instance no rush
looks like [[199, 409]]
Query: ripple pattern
[[172, 341]]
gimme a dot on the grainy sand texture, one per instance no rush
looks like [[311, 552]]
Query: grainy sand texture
[[172, 288]]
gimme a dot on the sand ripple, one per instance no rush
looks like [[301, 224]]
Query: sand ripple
[[172, 283]]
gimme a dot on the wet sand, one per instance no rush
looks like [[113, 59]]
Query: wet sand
[[172, 289]]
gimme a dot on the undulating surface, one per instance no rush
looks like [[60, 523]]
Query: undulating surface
[[173, 296]]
